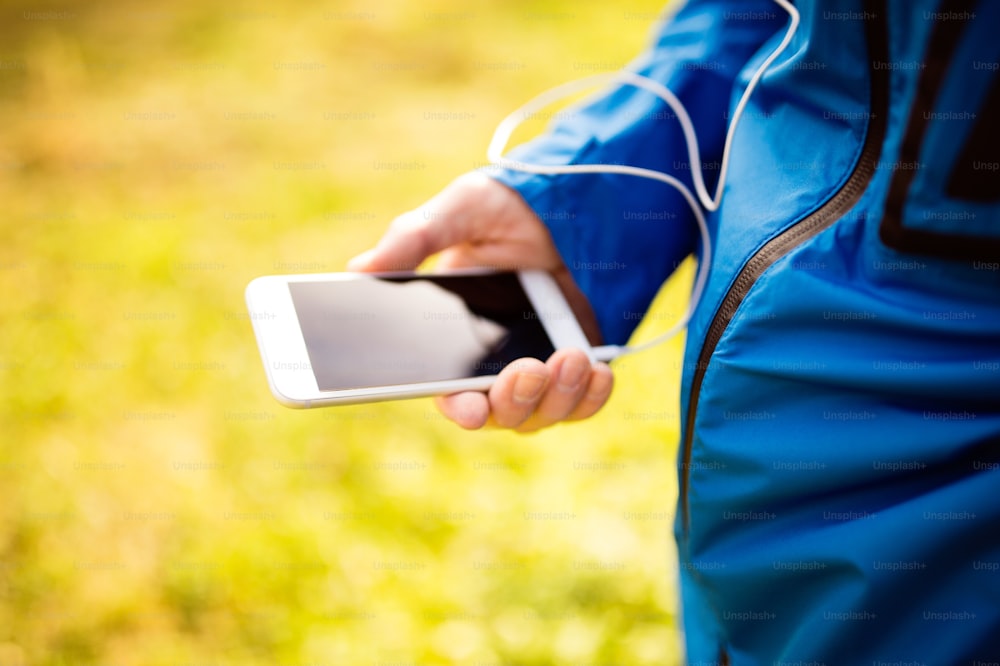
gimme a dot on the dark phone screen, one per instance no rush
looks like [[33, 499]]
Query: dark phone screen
[[383, 331]]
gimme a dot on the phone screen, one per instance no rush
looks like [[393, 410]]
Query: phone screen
[[383, 331]]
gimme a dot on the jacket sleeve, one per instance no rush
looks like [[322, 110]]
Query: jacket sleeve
[[622, 236]]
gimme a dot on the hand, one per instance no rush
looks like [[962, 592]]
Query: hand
[[478, 222]]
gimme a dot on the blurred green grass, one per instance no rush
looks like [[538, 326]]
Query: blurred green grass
[[157, 506]]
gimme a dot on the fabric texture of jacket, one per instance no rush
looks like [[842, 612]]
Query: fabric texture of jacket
[[839, 467]]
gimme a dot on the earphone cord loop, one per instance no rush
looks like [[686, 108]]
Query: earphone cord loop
[[698, 205]]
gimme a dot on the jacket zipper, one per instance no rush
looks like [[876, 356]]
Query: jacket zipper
[[835, 208]]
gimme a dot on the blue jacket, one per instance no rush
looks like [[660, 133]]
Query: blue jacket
[[839, 469]]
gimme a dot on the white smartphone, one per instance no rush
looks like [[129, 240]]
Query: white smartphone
[[339, 338]]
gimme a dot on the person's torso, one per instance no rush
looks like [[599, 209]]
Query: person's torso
[[842, 390]]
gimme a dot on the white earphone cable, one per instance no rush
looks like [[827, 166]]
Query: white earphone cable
[[707, 202]]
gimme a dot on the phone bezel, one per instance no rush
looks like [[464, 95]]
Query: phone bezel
[[286, 360]]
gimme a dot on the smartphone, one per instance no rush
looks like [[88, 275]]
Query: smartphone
[[340, 338]]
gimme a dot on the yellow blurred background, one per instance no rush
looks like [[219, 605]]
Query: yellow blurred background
[[157, 506]]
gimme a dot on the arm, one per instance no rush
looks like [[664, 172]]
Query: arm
[[621, 236]]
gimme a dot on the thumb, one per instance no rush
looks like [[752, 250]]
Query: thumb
[[453, 216], [364, 262], [406, 243]]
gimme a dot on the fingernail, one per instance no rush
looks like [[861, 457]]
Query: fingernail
[[528, 387], [571, 373]]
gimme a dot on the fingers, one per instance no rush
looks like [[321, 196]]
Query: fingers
[[576, 390], [529, 395], [571, 376], [518, 391], [602, 381], [470, 409]]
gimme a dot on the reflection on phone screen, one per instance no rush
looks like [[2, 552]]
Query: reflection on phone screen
[[383, 331]]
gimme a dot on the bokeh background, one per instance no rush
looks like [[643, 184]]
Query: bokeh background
[[157, 506]]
